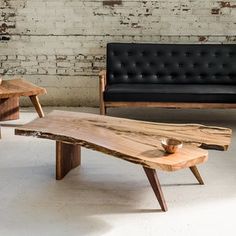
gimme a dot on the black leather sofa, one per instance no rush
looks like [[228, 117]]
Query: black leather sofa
[[169, 75]]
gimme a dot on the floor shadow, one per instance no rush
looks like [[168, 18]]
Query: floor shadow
[[184, 184]]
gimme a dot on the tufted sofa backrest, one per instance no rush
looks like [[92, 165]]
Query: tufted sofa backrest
[[171, 63]]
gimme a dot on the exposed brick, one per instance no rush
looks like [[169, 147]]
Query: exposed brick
[[41, 57], [11, 57], [66, 40], [215, 11], [21, 58], [112, 3], [63, 64], [29, 63], [227, 4], [3, 58], [1, 71], [203, 39]]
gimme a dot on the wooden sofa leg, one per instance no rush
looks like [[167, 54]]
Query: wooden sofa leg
[[102, 85], [103, 109]]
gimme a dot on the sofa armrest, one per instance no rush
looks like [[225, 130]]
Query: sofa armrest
[[102, 80], [102, 86]]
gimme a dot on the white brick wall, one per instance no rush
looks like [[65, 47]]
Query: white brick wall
[[61, 44]]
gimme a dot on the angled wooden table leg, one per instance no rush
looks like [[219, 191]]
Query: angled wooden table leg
[[67, 158], [197, 174], [154, 181], [35, 100]]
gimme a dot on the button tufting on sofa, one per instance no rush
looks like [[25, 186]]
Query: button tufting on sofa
[[163, 65]]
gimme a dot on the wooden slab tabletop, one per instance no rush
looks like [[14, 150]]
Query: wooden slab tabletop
[[131, 140], [19, 87]]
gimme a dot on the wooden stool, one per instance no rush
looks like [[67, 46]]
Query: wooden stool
[[11, 90]]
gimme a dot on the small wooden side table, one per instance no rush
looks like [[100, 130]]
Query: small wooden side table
[[11, 91]]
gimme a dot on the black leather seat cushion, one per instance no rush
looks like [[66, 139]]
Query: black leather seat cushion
[[202, 93], [171, 63]]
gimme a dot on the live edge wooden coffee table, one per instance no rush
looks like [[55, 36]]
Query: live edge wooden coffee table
[[11, 90], [134, 141]]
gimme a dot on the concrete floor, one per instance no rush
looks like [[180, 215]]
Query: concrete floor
[[108, 196]]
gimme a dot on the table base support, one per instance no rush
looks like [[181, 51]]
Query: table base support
[[67, 158], [9, 108]]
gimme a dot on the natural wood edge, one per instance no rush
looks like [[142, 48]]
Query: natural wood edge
[[150, 164], [102, 86], [191, 163], [40, 90], [44, 91], [174, 105], [34, 90]]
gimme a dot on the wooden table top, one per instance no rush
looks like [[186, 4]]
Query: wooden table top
[[19, 87], [131, 140]]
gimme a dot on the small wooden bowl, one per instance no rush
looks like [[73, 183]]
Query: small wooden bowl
[[171, 145]]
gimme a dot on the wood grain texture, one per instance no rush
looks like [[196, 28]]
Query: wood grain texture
[[67, 157], [9, 109], [156, 186], [174, 105], [134, 141], [19, 87]]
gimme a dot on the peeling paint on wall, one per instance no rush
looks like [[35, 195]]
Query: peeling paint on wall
[[3, 28], [215, 11], [112, 3], [7, 20], [62, 44], [227, 4], [203, 39]]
